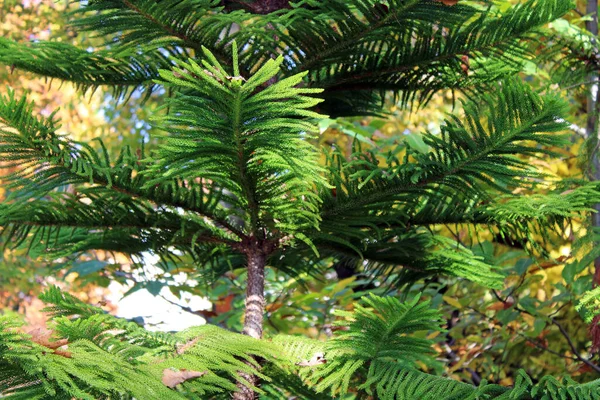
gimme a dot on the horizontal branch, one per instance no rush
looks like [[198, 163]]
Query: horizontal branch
[[139, 227], [177, 204]]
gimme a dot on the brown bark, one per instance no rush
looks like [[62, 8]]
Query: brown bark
[[254, 314], [255, 297], [592, 131], [592, 115], [593, 112]]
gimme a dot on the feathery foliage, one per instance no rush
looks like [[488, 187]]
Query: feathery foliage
[[377, 352], [114, 206], [247, 174], [134, 361], [413, 48], [235, 180], [467, 175], [251, 143]]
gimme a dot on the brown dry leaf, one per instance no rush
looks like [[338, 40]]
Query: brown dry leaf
[[183, 347], [172, 378], [317, 358], [206, 313], [449, 2], [42, 336], [503, 305], [62, 353]]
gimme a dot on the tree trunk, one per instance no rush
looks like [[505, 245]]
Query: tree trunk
[[593, 104], [255, 294], [255, 308]]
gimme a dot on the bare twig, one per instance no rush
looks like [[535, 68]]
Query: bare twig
[[528, 339], [563, 332], [184, 308], [573, 348]]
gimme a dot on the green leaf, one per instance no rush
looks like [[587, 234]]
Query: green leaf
[[415, 141], [522, 265], [154, 287], [87, 267], [570, 270]]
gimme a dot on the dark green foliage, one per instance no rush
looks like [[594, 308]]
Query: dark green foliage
[[236, 177], [467, 176], [241, 194], [411, 47]]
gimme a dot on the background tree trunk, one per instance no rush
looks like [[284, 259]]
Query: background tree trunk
[[591, 128]]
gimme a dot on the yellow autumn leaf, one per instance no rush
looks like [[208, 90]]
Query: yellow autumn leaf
[[452, 301]]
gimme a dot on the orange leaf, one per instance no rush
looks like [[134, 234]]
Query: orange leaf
[[496, 306], [273, 307], [224, 304]]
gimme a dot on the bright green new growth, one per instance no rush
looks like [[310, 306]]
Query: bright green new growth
[[246, 139], [236, 181], [260, 171]]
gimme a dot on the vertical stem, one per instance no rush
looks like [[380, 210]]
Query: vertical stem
[[592, 100], [593, 105], [254, 314], [255, 296]]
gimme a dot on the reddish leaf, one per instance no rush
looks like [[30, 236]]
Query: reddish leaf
[[465, 65], [223, 305]]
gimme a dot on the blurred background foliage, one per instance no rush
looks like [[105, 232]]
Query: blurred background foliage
[[532, 323]]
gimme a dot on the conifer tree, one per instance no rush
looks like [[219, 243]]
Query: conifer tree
[[236, 181]]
